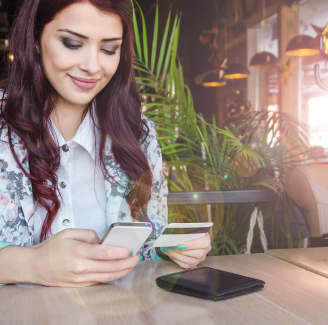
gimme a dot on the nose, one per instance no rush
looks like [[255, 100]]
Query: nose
[[90, 62]]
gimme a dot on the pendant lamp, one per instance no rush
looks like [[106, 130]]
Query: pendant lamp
[[236, 71], [264, 59], [213, 79], [303, 45]]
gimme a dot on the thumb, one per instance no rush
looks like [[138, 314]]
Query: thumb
[[83, 235]]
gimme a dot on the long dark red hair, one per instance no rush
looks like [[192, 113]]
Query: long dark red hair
[[30, 99]]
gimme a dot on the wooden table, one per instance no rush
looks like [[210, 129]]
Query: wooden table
[[313, 259], [292, 295]]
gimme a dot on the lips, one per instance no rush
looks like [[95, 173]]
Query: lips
[[85, 84]]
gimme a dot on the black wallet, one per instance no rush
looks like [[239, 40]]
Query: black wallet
[[209, 283]]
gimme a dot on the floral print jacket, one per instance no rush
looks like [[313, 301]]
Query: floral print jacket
[[16, 199]]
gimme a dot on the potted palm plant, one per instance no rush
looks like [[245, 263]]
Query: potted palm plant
[[255, 153]]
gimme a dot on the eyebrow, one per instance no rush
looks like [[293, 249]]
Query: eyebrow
[[85, 37]]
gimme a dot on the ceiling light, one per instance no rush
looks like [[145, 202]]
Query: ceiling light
[[302, 45], [236, 71], [213, 79], [264, 59]]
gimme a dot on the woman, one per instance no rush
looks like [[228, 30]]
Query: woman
[[76, 153]]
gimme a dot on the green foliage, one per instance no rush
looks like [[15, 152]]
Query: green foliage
[[254, 154]]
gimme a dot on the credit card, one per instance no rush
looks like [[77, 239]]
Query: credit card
[[177, 233]]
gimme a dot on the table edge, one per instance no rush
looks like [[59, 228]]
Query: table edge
[[300, 265]]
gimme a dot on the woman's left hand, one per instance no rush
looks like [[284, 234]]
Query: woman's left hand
[[190, 253]]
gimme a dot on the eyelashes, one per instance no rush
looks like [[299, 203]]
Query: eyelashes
[[74, 45], [71, 44], [109, 52]]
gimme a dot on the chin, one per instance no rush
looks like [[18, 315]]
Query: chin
[[80, 99]]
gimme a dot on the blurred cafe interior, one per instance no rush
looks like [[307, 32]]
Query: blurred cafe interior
[[258, 68]]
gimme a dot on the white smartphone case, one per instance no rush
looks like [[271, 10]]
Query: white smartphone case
[[128, 235], [177, 233]]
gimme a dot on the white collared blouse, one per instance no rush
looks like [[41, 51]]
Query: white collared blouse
[[82, 193], [17, 217]]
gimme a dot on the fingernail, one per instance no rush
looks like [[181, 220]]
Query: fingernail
[[172, 247], [165, 249], [131, 252], [182, 247], [140, 259]]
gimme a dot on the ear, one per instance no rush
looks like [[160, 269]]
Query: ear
[[37, 46]]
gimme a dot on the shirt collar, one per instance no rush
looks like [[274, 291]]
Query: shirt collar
[[84, 136]]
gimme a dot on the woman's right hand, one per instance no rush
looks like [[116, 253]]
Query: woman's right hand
[[74, 258]]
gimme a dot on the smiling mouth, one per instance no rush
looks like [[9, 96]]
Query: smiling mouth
[[85, 84]]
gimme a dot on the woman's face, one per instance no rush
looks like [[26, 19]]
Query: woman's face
[[80, 51]]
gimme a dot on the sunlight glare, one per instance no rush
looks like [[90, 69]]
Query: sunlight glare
[[318, 121]]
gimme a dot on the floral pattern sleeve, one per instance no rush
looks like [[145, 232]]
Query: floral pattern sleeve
[[157, 206]]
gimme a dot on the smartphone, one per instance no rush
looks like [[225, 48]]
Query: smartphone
[[177, 233], [130, 235]]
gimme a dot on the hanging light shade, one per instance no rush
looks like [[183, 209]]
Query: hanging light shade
[[213, 79], [236, 71], [264, 59], [302, 45]]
